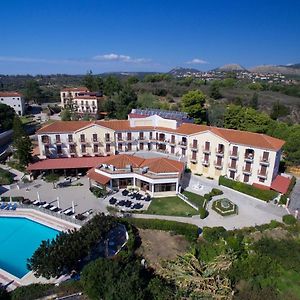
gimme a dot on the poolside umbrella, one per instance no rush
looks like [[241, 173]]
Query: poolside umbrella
[[57, 202], [10, 199], [73, 207], [38, 196]]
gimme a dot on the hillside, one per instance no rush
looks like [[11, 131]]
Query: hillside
[[231, 68], [177, 72], [286, 70]]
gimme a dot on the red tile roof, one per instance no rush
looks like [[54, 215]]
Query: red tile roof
[[233, 136], [281, 184], [163, 165], [97, 177], [10, 94], [66, 163], [123, 160]]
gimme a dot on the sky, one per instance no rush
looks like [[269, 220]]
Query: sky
[[75, 36]]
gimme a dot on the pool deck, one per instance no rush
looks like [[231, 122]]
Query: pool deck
[[10, 281]]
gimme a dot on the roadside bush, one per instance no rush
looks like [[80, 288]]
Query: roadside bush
[[188, 230], [208, 197], [99, 193], [250, 190], [14, 199], [203, 213], [212, 234], [289, 220], [216, 192], [32, 291], [51, 177]]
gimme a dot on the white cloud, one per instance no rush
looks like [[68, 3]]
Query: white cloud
[[120, 58], [197, 61]]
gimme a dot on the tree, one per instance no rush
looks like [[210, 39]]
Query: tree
[[33, 91], [111, 85], [21, 142], [215, 114], [214, 92], [109, 106], [7, 114], [92, 82], [254, 101], [132, 80], [278, 110], [193, 103], [66, 114], [126, 100]]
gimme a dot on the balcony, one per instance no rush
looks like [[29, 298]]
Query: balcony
[[218, 165], [247, 171], [219, 152], [249, 158], [82, 141], [108, 140], [205, 163], [46, 141], [193, 147], [172, 142], [232, 168], [162, 141], [234, 154], [72, 151], [205, 150], [182, 144], [58, 142], [142, 138], [264, 161], [193, 159], [261, 174]]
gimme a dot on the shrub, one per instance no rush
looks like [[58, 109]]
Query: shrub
[[250, 190], [190, 231], [32, 291], [98, 192], [289, 219], [52, 177], [208, 197], [212, 234], [14, 199], [216, 192], [6, 177], [203, 213], [283, 199]]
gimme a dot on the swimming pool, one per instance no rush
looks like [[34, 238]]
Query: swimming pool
[[19, 238]]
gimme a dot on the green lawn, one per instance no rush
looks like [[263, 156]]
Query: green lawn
[[170, 206], [195, 199], [289, 282]]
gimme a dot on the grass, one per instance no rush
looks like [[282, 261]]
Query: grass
[[170, 206], [288, 283], [195, 199], [26, 119]]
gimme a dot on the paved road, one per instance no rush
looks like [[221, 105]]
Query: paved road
[[295, 198]]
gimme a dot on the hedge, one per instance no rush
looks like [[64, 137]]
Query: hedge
[[213, 234], [289, 219], [266, 195], [190, 231], [203, 213], [14, 199]]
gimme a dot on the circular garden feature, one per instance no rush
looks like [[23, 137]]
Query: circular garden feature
[[224, 207]]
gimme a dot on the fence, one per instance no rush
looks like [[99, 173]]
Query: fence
[[186, 200]]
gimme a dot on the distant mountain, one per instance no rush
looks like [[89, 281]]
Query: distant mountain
[[231, 68], [286, 70], [183, 71]]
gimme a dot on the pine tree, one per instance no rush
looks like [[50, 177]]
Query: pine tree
[[21, 143]]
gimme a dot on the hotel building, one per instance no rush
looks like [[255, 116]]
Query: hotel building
[[251, 158], [14, 100]]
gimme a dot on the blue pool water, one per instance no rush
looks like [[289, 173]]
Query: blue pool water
[[19, 238]]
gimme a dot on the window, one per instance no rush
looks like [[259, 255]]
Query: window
[[129, 146], [107, 137], [207, 145], [119, 136], [57, 137], [141, 146], [83, 148], [107, 148], [172, 149], [82, 138], [70, 138], [231, 174], [58, 149], [246, 178], [95, 148], [95, 138], [183, 151], [165, 187]]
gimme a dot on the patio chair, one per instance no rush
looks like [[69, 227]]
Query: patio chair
[[8, 206], [3, 205], [14, 206]]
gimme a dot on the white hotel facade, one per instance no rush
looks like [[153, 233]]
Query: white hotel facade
[[243, 156], [14, 100]]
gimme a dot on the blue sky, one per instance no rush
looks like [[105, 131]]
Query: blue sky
[[74, 36]]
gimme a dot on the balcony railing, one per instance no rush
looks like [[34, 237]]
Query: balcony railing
[[264, 161], [205, 163], [206, 150], [193, 159], [46, 141], [182, 144], [249, 158], [247, 171], [233, 154], [261, 174], [172, 142], [194, 147], [218, 165], [108, 140], [219, 152], [232, 167]]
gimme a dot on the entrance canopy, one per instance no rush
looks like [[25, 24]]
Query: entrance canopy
[[67, 163]]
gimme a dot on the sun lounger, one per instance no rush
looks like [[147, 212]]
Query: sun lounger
[[68, 212], [53, 208], [46, 205], [8, 206], [3, 205], [14, 206], [36, 202]]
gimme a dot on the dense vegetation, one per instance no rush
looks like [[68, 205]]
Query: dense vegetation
[[6, 177], [266, 195], [7, 114]]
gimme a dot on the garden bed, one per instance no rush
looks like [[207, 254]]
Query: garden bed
[[224, 207]]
